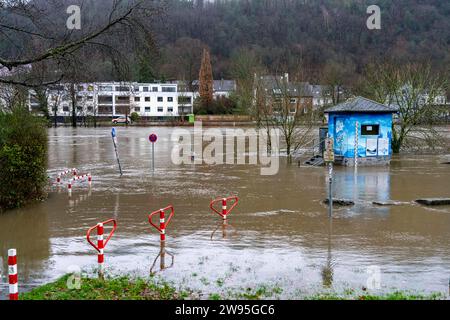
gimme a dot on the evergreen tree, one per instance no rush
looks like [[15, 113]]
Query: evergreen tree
[[206, 80]]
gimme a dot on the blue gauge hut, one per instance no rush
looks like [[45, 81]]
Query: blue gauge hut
[[363, 125]]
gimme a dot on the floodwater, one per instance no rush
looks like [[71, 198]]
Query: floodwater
[[279, 236]]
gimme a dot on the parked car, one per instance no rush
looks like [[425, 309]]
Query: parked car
[[122, 119]]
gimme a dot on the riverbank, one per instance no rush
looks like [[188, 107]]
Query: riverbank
[[125, 288]]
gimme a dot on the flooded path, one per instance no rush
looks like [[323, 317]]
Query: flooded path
[[282, 239]]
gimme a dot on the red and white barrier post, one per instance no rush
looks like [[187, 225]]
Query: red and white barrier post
[[12, 273], [163, 223], [224, 209], [101, 242], [89, 179], [69, 188], [101, 247]]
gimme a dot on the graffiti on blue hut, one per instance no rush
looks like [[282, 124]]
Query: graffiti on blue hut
[[362, 122]]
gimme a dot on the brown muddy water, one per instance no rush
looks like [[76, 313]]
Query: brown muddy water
[[282, 235]]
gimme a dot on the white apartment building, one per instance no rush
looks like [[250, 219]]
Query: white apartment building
[[112, 99]]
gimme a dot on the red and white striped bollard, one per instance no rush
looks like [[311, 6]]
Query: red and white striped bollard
[[12, 273], [224, 208], [162, 224], [101, 247]]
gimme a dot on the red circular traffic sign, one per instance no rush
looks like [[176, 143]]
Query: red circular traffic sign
[[153, 138]]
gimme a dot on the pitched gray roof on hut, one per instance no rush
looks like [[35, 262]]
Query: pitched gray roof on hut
[[361, 104]]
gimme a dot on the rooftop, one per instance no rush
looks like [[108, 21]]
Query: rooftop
[[361, 104]]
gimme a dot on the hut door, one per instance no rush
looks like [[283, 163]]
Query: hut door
[[339, 136]]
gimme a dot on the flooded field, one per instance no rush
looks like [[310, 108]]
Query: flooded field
[[280, 235]]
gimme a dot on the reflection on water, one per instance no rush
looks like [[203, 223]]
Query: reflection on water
[[284, 235], [162, 259], [227, 230], [363, 186], [27, 231], [327, 269]]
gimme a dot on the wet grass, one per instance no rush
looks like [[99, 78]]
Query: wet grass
[[396, 295], [126, 288], [122, 288]]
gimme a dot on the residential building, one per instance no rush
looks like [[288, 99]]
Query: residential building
[[303, 96], [221, 88], [111, 99], [275, 91]]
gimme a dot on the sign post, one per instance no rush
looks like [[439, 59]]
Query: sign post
[[153, 138], [328, 157], [113, 135], [356, 143]]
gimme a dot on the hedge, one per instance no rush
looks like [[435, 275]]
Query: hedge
[[23, 158]]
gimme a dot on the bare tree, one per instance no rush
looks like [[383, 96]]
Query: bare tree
[[183, 60], [125, 21], [283, 107], [335, 75], [413, 89], [56, 95], [244, 65], [11, 96]]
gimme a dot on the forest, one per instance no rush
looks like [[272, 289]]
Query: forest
[[304, 37], [312, 40]]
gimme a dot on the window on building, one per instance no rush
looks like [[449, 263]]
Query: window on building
[[155, 89], [80, 88], [145, 89], [170, 99], [184, 100], [122, 110], [168, 89], [66, 109], [147, 99], [105, 99], [370, 130], [122, 88], [105, 88], [137, 99], [79, 109], [169, 109], [123, 99], [90, 109], [160, 109], [79, 98], [104, 109], [160, 99], [90, 98], [147, 109], [137, 109], [136, 89]]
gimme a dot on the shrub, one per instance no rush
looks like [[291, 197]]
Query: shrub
[[134, 116], [23, 158], [219, 106]]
